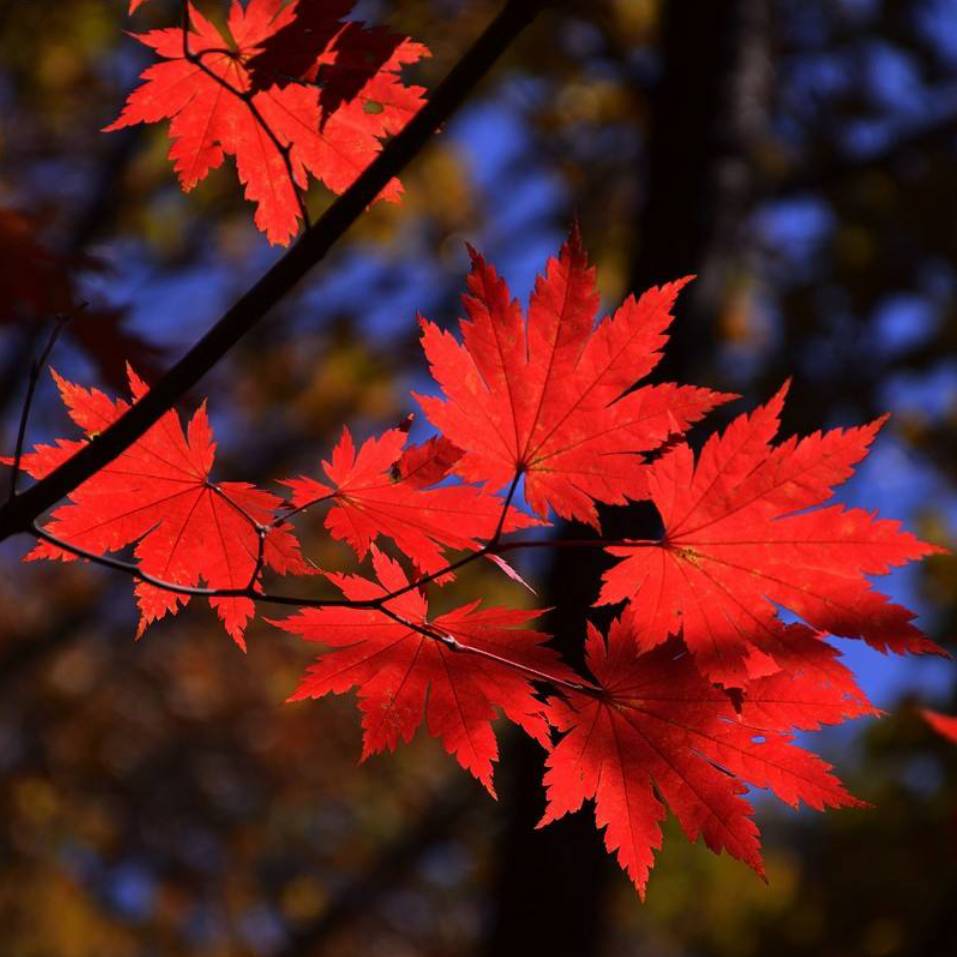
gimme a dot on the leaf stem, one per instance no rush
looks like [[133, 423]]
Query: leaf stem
[[453, 644]]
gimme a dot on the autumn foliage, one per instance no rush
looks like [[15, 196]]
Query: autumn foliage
[[719, 649], [289, 92]]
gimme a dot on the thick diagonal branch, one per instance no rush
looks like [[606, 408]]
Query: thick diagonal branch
[[18, 515]]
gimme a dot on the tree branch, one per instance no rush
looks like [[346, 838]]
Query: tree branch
[[307, 601], [35, 369], [18, 516], [379, 604], [453, 644]]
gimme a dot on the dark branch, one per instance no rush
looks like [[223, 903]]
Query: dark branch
[[453, 644], [18, 516], [252, 592], [380, 604], [35, 369]]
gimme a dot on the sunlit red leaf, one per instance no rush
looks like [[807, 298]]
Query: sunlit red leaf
[[741, 537], [370, 500], [660, 735], [549, 397], [215, 110], [158, 494], [403, 676]]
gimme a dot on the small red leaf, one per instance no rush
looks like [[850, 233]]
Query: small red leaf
[[368, 501], [427, 463]]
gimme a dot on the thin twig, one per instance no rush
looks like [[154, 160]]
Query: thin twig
[[134, 571], [36, 367], [307, 601], [380, 604], [453, 644], [295, 510]]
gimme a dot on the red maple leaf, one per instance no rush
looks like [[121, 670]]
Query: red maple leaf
[[943, 724], [659, 734], [371, 500], [549, 398], [403, 675], [430, 462], [216, 110], [740, 538], [158, 494], [802, 653]]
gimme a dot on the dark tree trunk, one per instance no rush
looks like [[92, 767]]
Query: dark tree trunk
[[710, 109], [698, 188]]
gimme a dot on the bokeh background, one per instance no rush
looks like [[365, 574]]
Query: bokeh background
[[158, 798]]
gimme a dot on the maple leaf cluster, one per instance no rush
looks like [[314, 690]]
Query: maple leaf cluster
[[288, 90], [693, 696]]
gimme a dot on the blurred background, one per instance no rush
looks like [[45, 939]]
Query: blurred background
[[799, 156]]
